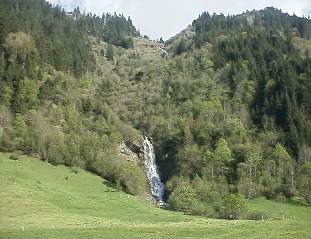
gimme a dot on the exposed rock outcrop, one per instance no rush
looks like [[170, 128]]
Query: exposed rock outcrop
[[132, 151]]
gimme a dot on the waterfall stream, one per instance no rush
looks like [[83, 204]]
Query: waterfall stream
[[156, 186]]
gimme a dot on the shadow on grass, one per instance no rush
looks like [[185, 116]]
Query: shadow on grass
[[112, 187], [297, 202]]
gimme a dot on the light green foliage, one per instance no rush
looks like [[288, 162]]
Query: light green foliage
[[182, 197], [19, 125], [132, 179], [87, 83], [19, 44], [194, 197], [222, 152], [234, 128], [124, 175], [285, 168], [19, 130], [283, 159], [253, 157], [72, 120], [27, 97], [222, 156], [56, 147], [201, 188], [72, 151], [250, 171], [234, 206]]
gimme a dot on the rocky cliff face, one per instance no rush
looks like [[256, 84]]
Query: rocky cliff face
[[132, 151]]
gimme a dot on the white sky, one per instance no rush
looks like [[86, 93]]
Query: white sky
[[166, 18]]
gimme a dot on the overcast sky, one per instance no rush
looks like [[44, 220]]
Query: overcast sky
[[166, 18]]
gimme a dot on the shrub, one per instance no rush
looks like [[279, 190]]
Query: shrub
[[199, 208], [132, 179], [234, 206], [183, 197], [127, 176]]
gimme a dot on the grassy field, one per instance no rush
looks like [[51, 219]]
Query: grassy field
[[38, 200]]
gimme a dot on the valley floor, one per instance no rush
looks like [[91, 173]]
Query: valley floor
[[38, 200]]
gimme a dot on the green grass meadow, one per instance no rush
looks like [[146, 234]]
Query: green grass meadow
[[38, 200]]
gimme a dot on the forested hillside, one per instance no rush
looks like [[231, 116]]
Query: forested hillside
[[51, 103], [228, 107]]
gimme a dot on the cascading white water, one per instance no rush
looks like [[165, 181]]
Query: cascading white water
[[157, 187]]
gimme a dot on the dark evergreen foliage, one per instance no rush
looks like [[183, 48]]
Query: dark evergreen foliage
[[260, 44]]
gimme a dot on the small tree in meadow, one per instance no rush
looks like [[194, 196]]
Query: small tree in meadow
[[234, 205], [183, 197]]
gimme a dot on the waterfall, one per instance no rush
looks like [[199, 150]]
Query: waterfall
[[156, 186]]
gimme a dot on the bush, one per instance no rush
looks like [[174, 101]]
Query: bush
[[199, 208], [128, 177], [132, 179], [234, 206], [183, 197]]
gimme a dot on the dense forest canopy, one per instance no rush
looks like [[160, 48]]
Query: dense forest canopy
[[228, 107], [260, 46], [62, 41]]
